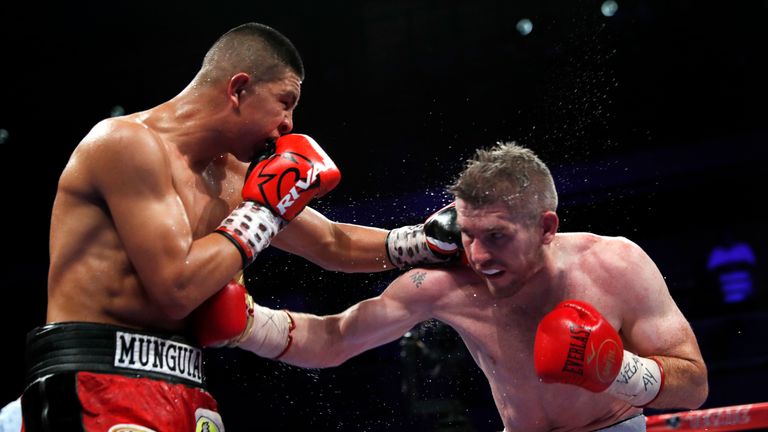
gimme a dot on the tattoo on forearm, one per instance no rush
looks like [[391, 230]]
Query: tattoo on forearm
[[418, 278]]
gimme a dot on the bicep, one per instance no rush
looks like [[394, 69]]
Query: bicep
[[145, 208], [385, 318], [653, 324], [664, 332]]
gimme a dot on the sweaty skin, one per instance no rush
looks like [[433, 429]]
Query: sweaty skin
[[497, 315], [131, 231]]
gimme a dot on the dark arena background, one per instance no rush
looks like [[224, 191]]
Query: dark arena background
[[651, 114]]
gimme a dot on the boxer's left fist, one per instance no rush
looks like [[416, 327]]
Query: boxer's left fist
[[288, 179], [576, 345], [278, 186]]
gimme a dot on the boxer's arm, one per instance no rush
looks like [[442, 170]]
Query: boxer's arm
[[335, 246], [654, 327], [130, 170], [325, 341], [354, 248]]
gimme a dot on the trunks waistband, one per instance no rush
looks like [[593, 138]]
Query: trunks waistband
[[75, 346]]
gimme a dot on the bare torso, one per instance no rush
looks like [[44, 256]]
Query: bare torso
[[91, 277], [499, 334]]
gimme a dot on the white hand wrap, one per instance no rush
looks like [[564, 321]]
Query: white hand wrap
[[639, 381], [250, 227], [407, 247], [270, 335]]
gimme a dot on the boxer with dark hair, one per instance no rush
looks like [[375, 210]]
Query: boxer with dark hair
[[154, 213], [574, 331]]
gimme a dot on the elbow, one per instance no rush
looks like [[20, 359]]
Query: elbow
[[175, 307], [695, 398], [703, 394], [176, 311], [171, 295], [699, 393], [698, 390]]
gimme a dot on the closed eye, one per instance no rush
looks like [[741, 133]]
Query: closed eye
[[289, 101]]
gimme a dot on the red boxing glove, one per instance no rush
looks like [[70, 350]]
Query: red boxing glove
[[576, 345], [287, 180], [225, 317], [231, 318], [277, 187]]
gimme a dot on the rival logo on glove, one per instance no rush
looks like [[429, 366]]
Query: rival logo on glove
[[299, 185]]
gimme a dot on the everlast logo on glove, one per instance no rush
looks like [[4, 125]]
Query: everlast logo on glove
[[603, 358], [574, 361]]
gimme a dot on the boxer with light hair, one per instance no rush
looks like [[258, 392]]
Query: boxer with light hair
[[574, 331]]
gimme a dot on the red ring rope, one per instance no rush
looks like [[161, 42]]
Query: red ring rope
[[730, 418]]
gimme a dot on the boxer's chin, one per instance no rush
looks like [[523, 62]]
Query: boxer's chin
[[503, 285]]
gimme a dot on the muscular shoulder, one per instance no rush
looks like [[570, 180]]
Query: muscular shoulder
[[609, 254], [615, 275], [120, 151], [129, 142]]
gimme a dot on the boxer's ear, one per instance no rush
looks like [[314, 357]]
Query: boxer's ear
[[549, 222], [236, 87]]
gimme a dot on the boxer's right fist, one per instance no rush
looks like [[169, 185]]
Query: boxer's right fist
[[437, 240], [224, 318], [231, 318], [576, 345], [278, 186]]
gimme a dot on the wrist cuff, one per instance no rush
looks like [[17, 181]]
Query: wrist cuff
[[250, 227], [639, 380], [270, 335], [407, 247]]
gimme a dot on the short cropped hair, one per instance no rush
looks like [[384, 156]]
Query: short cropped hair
[[256, 49], [507, 173]]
